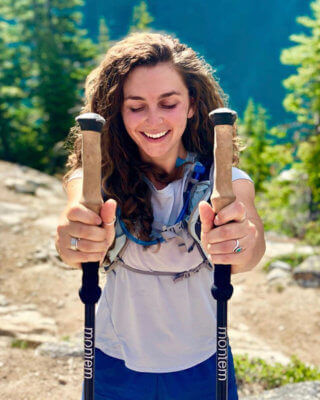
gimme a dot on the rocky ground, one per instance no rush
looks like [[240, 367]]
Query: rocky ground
[[272, 317]]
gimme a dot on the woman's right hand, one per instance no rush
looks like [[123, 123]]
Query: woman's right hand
[[96, 233]]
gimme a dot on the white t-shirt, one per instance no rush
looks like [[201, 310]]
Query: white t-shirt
[[151, 322]]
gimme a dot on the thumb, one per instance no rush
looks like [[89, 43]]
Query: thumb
[[206, 216], [108, 216]]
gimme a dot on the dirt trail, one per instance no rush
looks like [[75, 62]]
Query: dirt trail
[[287, 322]]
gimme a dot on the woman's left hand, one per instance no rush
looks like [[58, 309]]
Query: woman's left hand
[[234, 235]]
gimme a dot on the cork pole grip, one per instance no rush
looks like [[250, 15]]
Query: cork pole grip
[[91, 164], [91, 125], [222, 194]]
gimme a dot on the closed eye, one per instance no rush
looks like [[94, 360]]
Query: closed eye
[[141, 108]]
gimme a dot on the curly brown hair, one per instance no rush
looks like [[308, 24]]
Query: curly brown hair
[[122, 166]]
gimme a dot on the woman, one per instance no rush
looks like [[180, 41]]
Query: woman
[[155, 336]]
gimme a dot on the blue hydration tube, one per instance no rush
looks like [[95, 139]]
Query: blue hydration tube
[[199, 169]]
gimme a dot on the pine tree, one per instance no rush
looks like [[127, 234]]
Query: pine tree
[[103, 37], [57, 56], [303, 98], [14, 117], [141, 18], [262, 158]]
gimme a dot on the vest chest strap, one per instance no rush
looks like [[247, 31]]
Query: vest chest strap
[[176, 276], [179, 231]]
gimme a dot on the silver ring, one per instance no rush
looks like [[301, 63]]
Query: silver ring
[[237, 248], [74, 244], [112, 222]]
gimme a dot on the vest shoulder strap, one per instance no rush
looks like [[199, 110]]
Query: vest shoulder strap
[[201, 190]]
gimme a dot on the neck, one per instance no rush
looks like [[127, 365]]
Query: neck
[[168, 162]]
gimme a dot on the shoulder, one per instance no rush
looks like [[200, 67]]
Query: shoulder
[[238, 173], [242, 185]]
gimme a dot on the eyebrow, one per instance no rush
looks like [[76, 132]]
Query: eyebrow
[[160, 97]]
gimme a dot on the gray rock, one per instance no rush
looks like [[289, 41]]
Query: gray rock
[[246, 342], [60, 349], [307, 274], [3, 301], [21, 264], [19, 321], [275, 236], [49, 223], [21, 185], [17, 229], [278, 274], [291, 175], [280, 265], [25, 179], [41, 255], [276, 248], [12, 213], [294, 391]]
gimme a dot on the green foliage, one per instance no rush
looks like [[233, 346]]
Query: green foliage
[[261, 158], [256, 370], [45, 57], [309, 153], [104, 36], [289, 199], [51, 57], [19, 344], [312, 235], [141, 18], [303, 98], [283, 203]]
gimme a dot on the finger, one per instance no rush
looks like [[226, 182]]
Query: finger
[[74, 256], [108, 215], [235, 211], [232, 230], [227, 247], [226, 259], [89, 232], [206, 217], [80, 213], [89, 246], [108, 212]]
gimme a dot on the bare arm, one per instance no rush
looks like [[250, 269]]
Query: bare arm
[[77, 221], [73, 189], [237, 221]]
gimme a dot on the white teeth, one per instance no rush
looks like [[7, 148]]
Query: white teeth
[[156, 136]]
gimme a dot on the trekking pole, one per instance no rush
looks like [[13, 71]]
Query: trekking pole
[[222, 195], [91, 125]]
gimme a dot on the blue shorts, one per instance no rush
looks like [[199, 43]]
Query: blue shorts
[[114, 381]]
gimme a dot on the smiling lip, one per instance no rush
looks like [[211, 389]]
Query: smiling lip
[[155, 139]]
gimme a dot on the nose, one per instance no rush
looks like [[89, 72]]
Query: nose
[[154, 118]]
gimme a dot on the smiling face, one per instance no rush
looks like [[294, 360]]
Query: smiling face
[[155, 110]]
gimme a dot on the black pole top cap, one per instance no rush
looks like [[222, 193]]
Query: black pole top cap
[[90, 122], [223, 116]]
